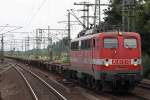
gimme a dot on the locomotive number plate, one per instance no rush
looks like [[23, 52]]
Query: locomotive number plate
[[121, 61]]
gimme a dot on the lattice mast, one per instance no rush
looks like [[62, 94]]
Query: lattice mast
[[97, 13]]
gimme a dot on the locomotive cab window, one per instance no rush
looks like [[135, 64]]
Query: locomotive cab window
[[110, 43], [75, 45], [130, 43], [86, 44]]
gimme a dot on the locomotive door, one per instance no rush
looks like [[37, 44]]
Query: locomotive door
[[93, 53]]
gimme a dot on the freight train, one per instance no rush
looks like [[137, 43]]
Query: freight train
[[103, 61]]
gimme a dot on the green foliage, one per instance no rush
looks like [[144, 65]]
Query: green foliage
[[60, 47], [113, 13], [146, 64], [143, 25], [65, 59]]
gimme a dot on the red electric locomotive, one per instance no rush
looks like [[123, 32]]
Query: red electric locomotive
[[107, 60]]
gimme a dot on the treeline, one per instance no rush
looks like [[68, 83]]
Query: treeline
[[60, 47]]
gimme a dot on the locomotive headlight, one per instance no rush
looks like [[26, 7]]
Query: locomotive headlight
[[106, 62], [135, 62], [120, 33]]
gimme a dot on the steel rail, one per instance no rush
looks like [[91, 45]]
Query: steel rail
[[2, 67], [45, 83], [27, 83], [144, 85], [8, 68]]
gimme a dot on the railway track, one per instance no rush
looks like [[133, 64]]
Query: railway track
[[4, 68], [106, 95], [82, 90], [145, 84], [40, 89]]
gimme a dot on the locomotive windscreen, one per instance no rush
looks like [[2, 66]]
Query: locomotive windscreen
[[110, 43], [130, 43]]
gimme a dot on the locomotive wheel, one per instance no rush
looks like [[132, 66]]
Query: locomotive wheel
[[88, 81], [83, 80], [67, 74], [61, 70], [73, 75], [93, 84], [98, 86]]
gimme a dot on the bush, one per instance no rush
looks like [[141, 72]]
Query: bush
[[146, 65]]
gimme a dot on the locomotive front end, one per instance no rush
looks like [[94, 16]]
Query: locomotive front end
[[121, 54]]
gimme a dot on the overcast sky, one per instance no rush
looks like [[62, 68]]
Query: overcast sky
[[32, 14]]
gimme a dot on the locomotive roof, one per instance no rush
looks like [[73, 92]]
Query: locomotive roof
[[105, 34]]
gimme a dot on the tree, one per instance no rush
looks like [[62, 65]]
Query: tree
[[60, 46], [143, 24], [113, 13]]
